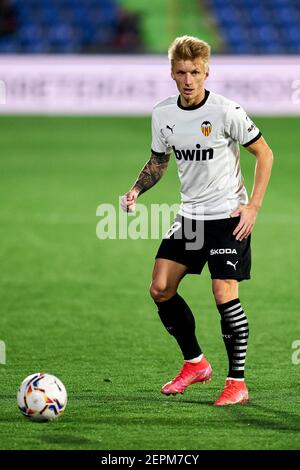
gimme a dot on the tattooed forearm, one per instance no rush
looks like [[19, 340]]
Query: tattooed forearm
[[151, 173]]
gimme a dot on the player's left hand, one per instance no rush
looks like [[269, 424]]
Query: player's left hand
[[245, 226]]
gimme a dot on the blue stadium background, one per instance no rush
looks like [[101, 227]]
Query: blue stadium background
[[107, 26]]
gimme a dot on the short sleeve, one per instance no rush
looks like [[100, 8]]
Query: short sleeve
[[240, 127], [159, 145]]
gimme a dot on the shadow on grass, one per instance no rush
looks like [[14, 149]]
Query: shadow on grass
[[12, 419], [65, 439], [252, 414], [265, 417]]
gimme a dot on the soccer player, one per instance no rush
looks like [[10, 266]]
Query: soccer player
[[204, 130]]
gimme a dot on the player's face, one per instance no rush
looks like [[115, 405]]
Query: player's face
[[189, 77]]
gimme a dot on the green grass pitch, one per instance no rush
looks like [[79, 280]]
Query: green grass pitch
[[78, 307]]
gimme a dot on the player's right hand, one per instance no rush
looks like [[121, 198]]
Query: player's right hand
[[128, 201]]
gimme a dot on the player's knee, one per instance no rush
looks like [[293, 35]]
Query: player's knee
[[224, 290], [160, 291]]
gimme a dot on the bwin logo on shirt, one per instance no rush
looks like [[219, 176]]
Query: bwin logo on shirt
[[197, 154]]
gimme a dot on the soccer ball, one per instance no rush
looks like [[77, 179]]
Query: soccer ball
[[42, 397]]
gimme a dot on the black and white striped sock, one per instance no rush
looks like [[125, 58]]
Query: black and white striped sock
[[235, 331]]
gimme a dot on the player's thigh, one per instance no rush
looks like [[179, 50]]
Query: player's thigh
[[166, 275]]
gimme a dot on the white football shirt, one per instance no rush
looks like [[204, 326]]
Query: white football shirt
[[205, 140]]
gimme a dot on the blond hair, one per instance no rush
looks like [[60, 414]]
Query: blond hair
[[188, 48]]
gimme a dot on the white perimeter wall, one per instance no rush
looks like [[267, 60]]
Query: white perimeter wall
[[124, 85]]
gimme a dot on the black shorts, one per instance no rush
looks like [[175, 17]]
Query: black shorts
[[195, 242]]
